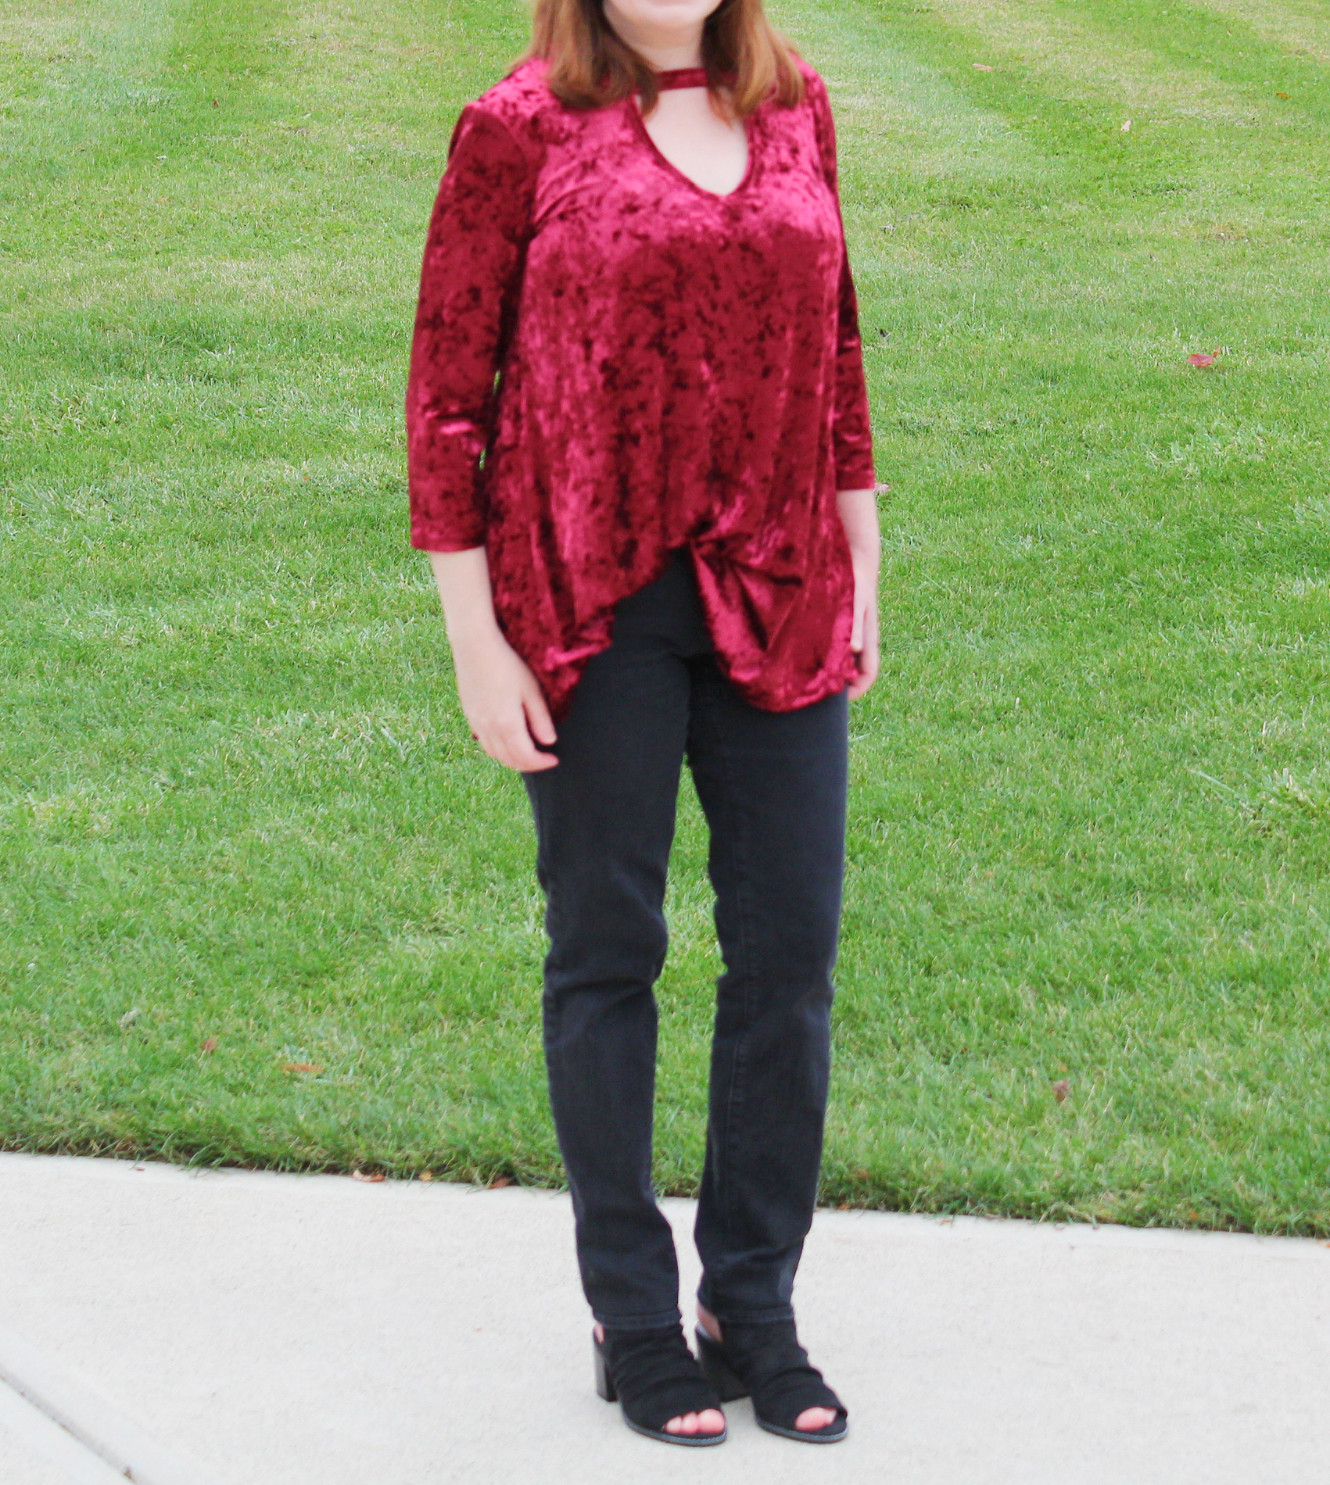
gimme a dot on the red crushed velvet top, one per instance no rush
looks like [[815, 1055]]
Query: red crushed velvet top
[[610, 362]]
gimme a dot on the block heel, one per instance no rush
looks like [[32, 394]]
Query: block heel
[[722, 1376], [605, 1387]]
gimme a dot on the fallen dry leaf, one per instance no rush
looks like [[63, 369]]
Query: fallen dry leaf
[[1281, 95], [426, 1175], [499, 1182], [1202, 358], [302, 1067], [1061, 1089], [1126, 126], [209, 1046], [981, 66], [368, 1175]]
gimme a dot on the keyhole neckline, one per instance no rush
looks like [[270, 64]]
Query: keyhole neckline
[[691, 77]]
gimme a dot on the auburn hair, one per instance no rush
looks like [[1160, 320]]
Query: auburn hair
[[747, 60]]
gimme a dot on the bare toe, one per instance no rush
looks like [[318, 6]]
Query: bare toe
[[712, 1420], [814, 1418]]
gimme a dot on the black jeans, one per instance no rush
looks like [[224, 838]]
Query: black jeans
[[772, 786]]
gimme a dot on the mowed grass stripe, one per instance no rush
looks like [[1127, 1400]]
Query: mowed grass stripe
[[75, 74], [1301, 28], [1078, 47], [1231, 54], [892, 104]]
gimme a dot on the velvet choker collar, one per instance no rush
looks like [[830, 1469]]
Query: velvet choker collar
[[689, 77], [681, 77]]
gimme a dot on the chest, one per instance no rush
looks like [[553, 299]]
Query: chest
[[682, 194], [688, 133]]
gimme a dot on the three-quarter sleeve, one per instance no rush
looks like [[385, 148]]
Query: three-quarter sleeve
[[852, 431], [469, 284]]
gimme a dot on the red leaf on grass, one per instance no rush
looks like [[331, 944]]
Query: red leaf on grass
[[1202, 358], [1061, 1089], [209, 1046], [302, 1067]]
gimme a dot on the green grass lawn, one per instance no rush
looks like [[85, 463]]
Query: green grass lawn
[[1091, 794]]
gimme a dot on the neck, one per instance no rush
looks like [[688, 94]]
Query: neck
[[662, 47]]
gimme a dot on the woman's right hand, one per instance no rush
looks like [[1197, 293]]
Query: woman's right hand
[[503, 702], [501, 697]]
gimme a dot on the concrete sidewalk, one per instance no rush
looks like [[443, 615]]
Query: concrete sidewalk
[[238, 1328]]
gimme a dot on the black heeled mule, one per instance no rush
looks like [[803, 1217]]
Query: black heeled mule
[[766, 1361], [654, 1377]]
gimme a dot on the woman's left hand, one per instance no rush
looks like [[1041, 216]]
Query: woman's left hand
[[858, 513], [863, 637]]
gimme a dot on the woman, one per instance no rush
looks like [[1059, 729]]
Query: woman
[[640, 461]]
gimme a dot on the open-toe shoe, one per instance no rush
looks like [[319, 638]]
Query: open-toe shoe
[[764, 1360], [654, 1377]]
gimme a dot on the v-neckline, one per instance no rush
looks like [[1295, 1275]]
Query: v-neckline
[[691, 77]]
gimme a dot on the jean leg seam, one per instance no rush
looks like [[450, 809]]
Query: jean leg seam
[[739, 1066]]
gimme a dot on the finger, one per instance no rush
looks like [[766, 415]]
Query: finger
[[538, 717], [870, 659], [520, 752], [496, 742], [863, 682], [520, 762], [493, 748], [866, 660]]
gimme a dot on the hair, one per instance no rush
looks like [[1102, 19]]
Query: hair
[[747, 60]]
